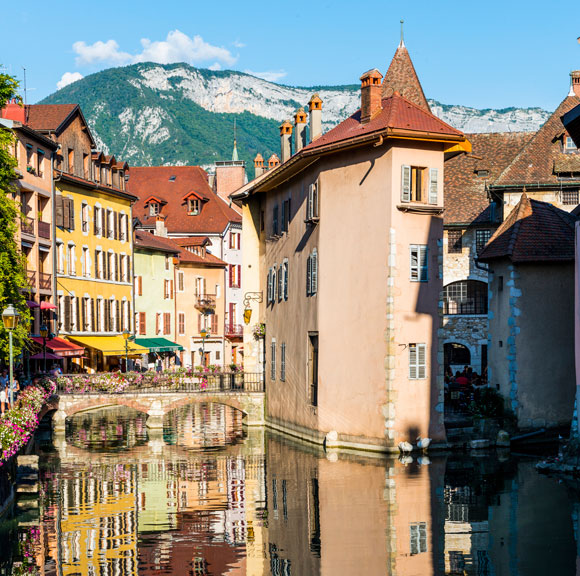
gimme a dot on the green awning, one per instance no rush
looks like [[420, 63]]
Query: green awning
[[158, 344]]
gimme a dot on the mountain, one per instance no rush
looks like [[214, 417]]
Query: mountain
[[154, 114]]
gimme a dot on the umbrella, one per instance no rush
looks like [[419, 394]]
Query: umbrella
[[47, 306], [32, 304], [49, 356]]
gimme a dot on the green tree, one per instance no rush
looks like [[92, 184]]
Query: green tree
[[12, 261]]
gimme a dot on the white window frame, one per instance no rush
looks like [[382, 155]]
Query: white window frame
[[417, 369], [433, 185], [313, 203], [273, 359], [418, 272], [312, 273], [285, 281]]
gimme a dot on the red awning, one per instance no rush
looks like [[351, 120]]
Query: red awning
[[61, 347], [49, 356], [47, 306]]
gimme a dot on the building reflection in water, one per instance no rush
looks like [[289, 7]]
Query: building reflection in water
[[205, 497]]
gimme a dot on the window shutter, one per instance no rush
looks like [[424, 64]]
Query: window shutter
[[231, 275], [67, 310], [72, 213], [280, 282], [118, 316], [214, 323], [66, 212], [239, 275], [59, 211], [93, 326], [413, 361], [129, 270], [414, 263], [106, 314], [423, 263], [286, 281], [83, 318], [314, 287], [283, 362], [310, 203], [95, 227], [199, 324], [142, 323], [180, 279], [269, 285], [274, 282], [157, 322], [171, 289], [140, 284], [316, 200], [116, 225], [127, 228], [105, 223], [405, 183], [421, 361], [309, 275], [283, 217], [78, 327], [433, 181], [166, 323], [118, 267]]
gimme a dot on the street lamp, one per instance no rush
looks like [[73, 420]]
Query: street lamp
[[44, 334], [126, 336], [10, 318]]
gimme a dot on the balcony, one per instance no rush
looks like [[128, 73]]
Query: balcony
[[234, 331], [205, 302], [31, 277], [27, 225], [44, 230], [44, 281]]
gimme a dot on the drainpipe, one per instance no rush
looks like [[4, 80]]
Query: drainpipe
[[53, 242]]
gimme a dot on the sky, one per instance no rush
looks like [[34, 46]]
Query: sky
[[493, 54]]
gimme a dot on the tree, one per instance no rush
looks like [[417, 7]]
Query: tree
[[13, 279]]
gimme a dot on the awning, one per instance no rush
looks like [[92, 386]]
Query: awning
[[49, 356], [32, 304], [159, 344], [61, 347], [111, 345], [47, 306]]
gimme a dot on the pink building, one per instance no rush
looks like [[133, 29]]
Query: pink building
[[343, 241]]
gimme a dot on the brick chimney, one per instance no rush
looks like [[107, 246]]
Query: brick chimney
[[160, 229], [575, 86], [273, 161], [258, 165], [299, 129], [285, 141], [315, 108], [14, 111], [370, 94]]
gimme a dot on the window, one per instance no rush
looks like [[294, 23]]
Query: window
[[570, 197], [270, 286], [86, 167], [417, 361], [158, 323], [285, 279], [481, 238], [418, 535], [413, 183], [72, 267], [312, 273], [569, 144], [85, 262], [85, 320], [275, 221], [166, 323], [283, 362], [180, 281], [142, 323], [274, 283], [312, 206], [280, 283], [85, 217], [167, 262], [122, 227], [235, 275], [235, 240], [285, 215], [111, 268], [99, 264], [98, 220], [193, 206], [60, 257], [455, 354], [110, 224], [101, 326], [273, 360], [29, 153], [419, 266], [181, 323], [465, 297], [39, 162], [454, 241], [313, 368], [71, 160]]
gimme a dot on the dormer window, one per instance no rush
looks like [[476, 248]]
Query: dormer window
[[569, 144], [153, 209], [193, 206]]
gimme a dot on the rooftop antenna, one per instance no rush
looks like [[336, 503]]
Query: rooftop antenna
[[24, 82], [235, 152], [402, 42]]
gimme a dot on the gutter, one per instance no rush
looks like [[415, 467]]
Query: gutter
[[53, 246]]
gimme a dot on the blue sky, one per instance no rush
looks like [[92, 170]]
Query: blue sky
[[491, 54]]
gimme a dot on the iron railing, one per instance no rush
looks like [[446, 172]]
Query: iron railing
[[205, 301], [234, 331], [151, 382]]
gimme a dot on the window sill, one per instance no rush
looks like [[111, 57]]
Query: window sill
[[420, 208]]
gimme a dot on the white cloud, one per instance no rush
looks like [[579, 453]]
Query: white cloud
[[215, 66], [270, 76], [68, 78], [239, 44], [177, 47], [100, 52]]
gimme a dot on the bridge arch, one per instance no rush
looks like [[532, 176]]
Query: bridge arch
[[96, 403], [207, 399]]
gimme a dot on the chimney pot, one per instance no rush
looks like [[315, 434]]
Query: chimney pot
[[575, 87], [273, 161], [285, 140], [299, 129], [370, 95], [258, 165], [315, 109]]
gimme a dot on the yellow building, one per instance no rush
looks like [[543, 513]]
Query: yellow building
[[94, 242]]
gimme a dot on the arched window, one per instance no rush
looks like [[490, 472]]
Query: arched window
[[465, 297], [456, 354]]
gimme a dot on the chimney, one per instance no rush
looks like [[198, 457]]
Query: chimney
[[299, 129], [315, 108], [160, 229], [575, 83], [285, 140], [370, 95], [14, 111], [258, 165], [273, 161]]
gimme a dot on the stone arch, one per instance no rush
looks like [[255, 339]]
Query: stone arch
[[89, 404], [232, 402], [451, 358]]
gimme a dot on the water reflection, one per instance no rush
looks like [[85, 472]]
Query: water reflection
[[205, 497]]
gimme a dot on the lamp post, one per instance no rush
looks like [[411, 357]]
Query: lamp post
[[44, 334], [204, 333], [126, 336], [10, 318]]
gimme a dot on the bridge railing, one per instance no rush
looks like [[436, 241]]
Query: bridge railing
[[151, 382]]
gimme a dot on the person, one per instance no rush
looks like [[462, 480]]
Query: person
[[3, 398], [461, 379], [15, 389], [159, 365]]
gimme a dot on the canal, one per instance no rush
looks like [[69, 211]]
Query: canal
[[205, 496]]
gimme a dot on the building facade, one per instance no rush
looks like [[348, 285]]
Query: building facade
[[358, 364]]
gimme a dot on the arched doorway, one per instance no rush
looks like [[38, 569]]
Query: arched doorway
[[456, 356]]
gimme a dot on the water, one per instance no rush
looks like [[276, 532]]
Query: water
[[206, 497]]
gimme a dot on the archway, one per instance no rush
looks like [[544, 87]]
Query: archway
[[455, 356]]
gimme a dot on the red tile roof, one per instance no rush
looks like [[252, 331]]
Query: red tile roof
[[533, 232], [147, 240], [44, 117], [535, 162], [402, 78], [466, 195], [398, 113], [145, 182]]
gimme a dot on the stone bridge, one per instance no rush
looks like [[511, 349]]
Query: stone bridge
[[157, 404]]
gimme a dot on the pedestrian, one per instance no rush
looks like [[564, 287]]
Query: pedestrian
[[3, 399]]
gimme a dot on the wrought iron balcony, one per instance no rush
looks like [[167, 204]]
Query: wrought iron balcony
[[205, 302], [234, 331], [27, 225]]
